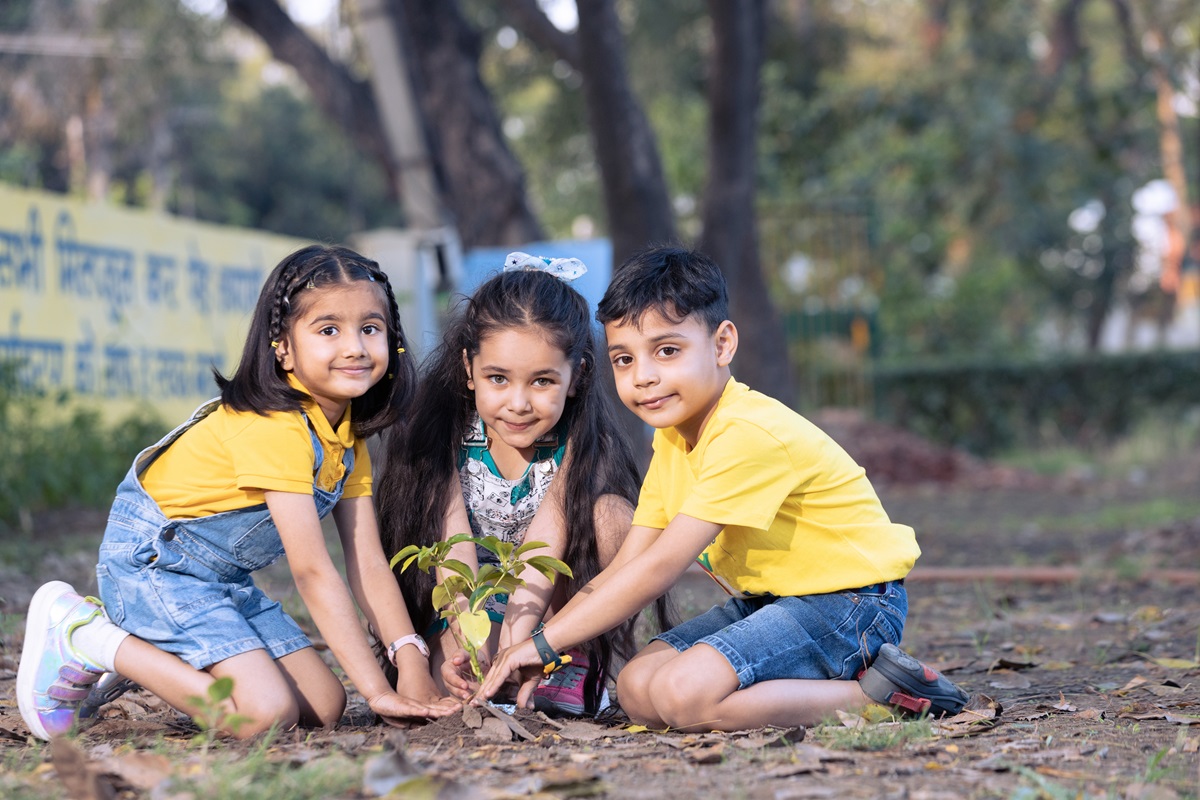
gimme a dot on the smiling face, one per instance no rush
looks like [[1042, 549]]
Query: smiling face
[[337, 346], [521, 383], [671, 374]]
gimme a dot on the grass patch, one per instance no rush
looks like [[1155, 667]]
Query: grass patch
[[1152, 441], [61, 453], [873, 736], [1120, 516], [260, 775]]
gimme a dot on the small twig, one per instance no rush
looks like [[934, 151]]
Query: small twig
[[511, 722]]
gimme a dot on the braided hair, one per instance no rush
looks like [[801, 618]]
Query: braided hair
[[259, 383]]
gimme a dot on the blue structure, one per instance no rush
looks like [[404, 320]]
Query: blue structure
[[482, 263]]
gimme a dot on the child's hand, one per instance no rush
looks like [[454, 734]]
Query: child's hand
[[390, 704], [522, 659], [457, 675]]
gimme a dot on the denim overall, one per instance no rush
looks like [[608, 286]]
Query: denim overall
[[184, 585]]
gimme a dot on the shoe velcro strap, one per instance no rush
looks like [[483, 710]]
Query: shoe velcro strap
[[67, 693], [76, 673], [917, 705]]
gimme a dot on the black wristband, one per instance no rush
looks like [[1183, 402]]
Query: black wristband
[[551, 660]]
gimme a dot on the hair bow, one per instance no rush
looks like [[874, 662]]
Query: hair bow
[[565, 269]]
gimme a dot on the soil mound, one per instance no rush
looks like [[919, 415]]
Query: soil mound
[[893, 456]]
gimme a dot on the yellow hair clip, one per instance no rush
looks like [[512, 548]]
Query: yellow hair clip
[[274, 343], [401, 350]]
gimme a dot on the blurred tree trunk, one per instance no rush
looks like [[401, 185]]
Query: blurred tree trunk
[[635, 190], [730, 220], [347, 101], [481, 181]]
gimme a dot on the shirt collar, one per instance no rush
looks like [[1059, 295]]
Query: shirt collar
[[342, 434]]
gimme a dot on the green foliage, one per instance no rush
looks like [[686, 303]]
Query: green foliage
[[61, 453], [989, 406], [462, 593], [271, 160]]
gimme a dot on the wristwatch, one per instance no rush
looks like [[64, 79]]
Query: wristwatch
[[414, 639], [551, 660]]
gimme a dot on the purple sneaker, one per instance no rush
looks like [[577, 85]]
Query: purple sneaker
[[53, 678], [561, 692]]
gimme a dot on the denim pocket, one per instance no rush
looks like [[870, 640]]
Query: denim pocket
[[258, 547], [110, 595]]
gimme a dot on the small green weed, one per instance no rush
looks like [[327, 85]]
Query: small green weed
[[257, 776], [873, 736], [211, 715]]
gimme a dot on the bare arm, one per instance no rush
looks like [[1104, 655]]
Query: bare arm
[[374, 587], [628, 587], [329, 602], [527, 605]]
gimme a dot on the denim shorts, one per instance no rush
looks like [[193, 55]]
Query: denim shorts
[[160, 589], [813, 637]]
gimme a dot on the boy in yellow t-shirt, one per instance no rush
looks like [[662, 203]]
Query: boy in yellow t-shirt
[[769, 505]]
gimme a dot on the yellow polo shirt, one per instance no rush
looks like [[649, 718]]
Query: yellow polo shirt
[[228, 459], [799, 515]]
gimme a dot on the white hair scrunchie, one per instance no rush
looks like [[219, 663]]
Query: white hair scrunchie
[[565, 269]]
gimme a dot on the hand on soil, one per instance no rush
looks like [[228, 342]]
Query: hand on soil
[[391, 704]]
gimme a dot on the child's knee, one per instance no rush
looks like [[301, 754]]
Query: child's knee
[[256, 715], [326, 711], [632, 681]]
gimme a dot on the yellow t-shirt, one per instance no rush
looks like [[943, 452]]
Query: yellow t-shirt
[[800, 515], [228, 459]]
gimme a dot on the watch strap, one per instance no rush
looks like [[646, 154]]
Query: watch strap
[[551, 660], [414, 639]]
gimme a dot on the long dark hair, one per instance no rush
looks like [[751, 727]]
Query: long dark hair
[[420, 465], [259, 384]]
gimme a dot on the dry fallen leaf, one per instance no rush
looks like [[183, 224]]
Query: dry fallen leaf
[[76, 773], [1182, 719], [577, 730], [1008, 679], [713, 754], [141, 770], [1063, 705], [1133, 684]]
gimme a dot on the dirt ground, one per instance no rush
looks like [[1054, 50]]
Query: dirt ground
[[1070, 609]]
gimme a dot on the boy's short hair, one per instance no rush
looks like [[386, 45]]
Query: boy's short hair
[[674, 281]]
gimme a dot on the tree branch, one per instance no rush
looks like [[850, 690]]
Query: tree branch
[[533, 22], [344, 99]]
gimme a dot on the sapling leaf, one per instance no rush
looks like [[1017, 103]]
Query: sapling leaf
[[404, 555], [504, 550], [525, 548], [486, 573], [221, 689], [508, 584], [459, 537], [456, 584], [548, 566], [481, 594], [490, 543], [440, 597], [476, 627], [454, 565]]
